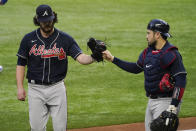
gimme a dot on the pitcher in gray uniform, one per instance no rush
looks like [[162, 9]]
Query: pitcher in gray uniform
[[164, 72], [45, 51]]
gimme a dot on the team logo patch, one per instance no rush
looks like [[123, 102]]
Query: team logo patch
[[33, 41], [45, 13], [148, 66], [48, 53]]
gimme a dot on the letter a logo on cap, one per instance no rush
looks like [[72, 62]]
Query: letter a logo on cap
[[45, 13]]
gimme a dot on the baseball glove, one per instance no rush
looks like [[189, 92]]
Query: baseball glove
[[167, 121], [97, 47], [167, 83]]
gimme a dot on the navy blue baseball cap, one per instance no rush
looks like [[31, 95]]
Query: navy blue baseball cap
[[44, 13]]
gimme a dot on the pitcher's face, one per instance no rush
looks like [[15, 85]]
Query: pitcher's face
[[47, 27]]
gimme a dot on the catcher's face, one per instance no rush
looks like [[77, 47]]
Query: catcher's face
[[151, 38], [47, 27]]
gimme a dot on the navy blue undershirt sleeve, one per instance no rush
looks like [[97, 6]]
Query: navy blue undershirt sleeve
[[180, 80], [179, 73], [127, 66], [180, 83]]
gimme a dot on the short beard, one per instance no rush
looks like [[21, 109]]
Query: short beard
[[153, 44], [47, 31]]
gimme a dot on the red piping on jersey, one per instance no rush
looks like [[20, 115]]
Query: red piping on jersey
[[144, 55], [181, 93]]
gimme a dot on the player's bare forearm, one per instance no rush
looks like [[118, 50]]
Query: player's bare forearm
[[20, 72], [85, 59]]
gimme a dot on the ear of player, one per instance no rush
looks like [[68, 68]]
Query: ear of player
[[97, 47]]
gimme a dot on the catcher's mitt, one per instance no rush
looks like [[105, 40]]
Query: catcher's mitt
[[167, 121], [97, 47]]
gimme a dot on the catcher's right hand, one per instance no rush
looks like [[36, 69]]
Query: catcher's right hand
[[108, 56], [167, 121], [97, 47]]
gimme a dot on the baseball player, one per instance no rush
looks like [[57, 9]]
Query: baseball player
[[45, 51], [164, 72]]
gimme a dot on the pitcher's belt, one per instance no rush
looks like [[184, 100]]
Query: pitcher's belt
[[42, 83]]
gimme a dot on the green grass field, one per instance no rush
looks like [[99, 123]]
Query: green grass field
[[119, 97]]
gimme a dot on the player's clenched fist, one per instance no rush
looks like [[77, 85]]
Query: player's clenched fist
[[108, 56], [21, 94]]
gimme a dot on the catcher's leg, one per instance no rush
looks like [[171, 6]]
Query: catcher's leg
[[148, 117], [160, 105], [38, 112], [58, 107]]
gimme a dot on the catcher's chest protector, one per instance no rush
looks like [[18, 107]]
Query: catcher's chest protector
[[154, 67]]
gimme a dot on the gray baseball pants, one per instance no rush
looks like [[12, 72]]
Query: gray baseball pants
[[44, 101], [154, 108]]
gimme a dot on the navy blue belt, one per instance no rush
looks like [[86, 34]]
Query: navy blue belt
[[42, 83], [159, 96]]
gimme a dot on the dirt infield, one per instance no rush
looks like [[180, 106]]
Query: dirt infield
[[185, 123]]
